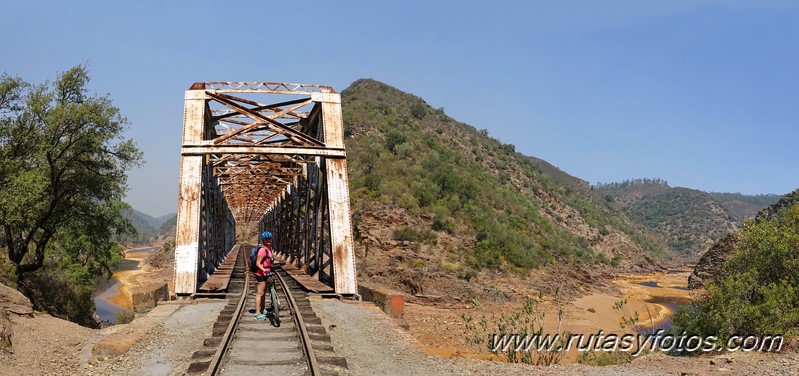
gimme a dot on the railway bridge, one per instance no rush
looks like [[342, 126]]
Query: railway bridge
[[270, 154]]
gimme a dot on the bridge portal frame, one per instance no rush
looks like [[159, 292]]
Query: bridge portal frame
[[242, 163]]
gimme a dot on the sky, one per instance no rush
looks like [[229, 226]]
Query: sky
[[703, 94]]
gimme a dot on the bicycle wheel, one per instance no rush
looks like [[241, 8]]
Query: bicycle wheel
[[275, 305]]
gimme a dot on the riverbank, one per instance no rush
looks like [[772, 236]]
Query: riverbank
[[655, 296], [124, 282]]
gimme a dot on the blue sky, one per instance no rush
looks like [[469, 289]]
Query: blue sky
[[703, 94]]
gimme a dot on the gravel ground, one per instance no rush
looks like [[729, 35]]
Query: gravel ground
[[374, 344], [168, 348]]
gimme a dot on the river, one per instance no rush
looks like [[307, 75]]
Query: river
[[109, 296], [654, 296], [659, 294]]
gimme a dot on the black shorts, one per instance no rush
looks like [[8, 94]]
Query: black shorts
[[260, 278]]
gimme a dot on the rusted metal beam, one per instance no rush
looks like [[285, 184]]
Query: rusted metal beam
[[265, 87], [259, 107], [247, 159], [278, 127], [193, 149], [256, 116]]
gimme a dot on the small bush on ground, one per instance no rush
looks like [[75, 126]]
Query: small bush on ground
[[526, 322]]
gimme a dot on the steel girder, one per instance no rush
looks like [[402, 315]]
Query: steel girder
[[279, 163]]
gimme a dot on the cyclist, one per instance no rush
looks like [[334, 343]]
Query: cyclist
[[264, 262]]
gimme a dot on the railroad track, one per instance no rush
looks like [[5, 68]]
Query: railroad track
[[240, 345]]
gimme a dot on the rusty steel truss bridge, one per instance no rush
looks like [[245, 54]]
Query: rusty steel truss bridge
[[268, 153]]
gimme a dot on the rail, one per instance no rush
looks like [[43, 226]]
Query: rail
[[222, 363]]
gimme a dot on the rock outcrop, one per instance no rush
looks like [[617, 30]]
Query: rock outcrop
[[771, 211], [12, 303], [711, 264]]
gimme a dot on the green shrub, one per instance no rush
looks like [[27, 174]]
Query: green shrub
[[418, 263], [527, 320], [469, 275], [404, 150], [408, 201], [759, 291], [442, 223], [593, 358], [425, 192], [449, 267], [419, 110], [7, 275], [414, 235], [372, 182], [396, 137]]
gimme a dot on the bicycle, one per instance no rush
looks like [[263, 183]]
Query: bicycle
[[273, 298]]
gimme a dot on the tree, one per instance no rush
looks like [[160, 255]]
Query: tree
[[63, 166]]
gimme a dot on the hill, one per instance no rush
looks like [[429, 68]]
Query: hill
[[437, 202], [144, 224], [166, 231], [689, 220], [165, 218], [744, 206], [148, 228]]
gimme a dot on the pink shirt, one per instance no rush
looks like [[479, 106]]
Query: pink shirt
[[267, 254]]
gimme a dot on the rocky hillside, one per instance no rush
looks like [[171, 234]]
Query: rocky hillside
[[167, 230], [689, 220], [711, 264], [437, 202]]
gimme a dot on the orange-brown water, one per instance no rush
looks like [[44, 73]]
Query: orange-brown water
[[113, 295]]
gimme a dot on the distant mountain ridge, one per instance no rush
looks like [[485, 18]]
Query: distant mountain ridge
[[688, 219], [168, 228], [744, 206], [164, 218], [146, 227]]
